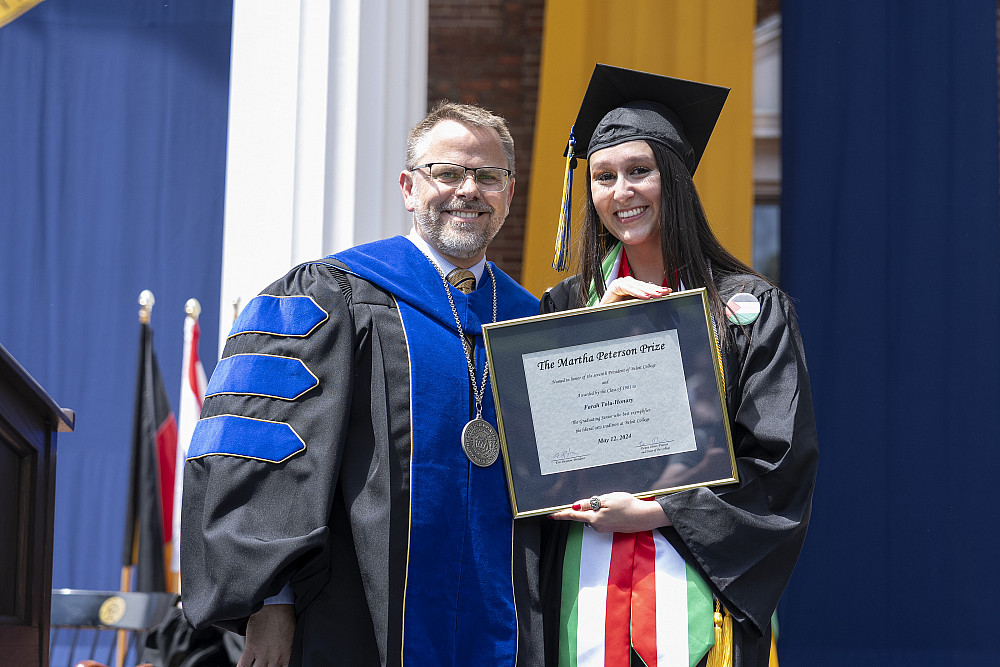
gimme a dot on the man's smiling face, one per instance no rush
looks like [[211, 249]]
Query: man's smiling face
[[460, 221]]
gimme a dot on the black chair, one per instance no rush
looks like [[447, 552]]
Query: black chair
[[103, 614]]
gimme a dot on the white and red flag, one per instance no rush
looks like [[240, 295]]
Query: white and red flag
[[193, 384]]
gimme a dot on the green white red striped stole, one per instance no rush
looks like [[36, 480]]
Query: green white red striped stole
[[625, 590], [631, 590]]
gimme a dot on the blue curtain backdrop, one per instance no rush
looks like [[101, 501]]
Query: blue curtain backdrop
[[112, 170], [891, 244]]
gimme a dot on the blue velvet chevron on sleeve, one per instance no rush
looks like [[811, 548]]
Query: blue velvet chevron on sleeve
[[245, 437], [279, 316], [266, 375]]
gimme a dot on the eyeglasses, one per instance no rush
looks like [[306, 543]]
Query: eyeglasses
[[488, 179]]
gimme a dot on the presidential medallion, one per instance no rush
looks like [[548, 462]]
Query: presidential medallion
[[480, 442]]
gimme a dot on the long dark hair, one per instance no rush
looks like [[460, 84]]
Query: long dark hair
[[687, 242]]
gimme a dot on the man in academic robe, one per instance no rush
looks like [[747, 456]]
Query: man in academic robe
[[343, 504]]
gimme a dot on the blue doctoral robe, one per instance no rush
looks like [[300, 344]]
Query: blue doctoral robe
[[328, 457]]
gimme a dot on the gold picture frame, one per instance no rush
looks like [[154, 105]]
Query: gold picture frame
[[624, 397]]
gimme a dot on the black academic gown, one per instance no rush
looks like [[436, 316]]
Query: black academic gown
[[352, 487], [745, 538]]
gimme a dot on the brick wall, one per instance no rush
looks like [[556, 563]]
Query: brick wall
[[487, 52]]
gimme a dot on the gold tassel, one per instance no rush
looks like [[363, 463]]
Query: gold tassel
[[561, 257], [721, 655]]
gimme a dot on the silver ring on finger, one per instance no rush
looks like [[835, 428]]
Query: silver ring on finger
[[595, 503]]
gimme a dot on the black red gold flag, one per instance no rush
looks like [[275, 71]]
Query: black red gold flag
[[151, 482]]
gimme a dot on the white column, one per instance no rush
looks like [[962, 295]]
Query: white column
[[767, 107], [322, 95]]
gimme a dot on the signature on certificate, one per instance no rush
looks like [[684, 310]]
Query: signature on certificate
[[566, 455], [657, 440]]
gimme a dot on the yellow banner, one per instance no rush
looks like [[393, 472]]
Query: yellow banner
[[11, 9], [704, 40]]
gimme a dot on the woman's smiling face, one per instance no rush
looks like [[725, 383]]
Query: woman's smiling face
[[625, 186]]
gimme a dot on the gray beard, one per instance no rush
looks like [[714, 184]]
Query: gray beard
[[451, 240]]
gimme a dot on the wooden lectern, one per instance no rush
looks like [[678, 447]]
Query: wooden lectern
[[29, 420]]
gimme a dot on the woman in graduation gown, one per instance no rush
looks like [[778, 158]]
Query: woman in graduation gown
[[645, 234]]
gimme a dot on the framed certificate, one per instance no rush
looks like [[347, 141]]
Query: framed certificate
[[623, 397]]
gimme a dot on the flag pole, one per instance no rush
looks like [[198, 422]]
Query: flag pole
[[192, 310], [146, 302]]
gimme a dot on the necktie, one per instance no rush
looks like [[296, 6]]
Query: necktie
[[463, 280]]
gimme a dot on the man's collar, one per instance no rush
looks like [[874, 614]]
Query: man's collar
[[443, 264]]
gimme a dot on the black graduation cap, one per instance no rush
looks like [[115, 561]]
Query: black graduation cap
[[625, 105]]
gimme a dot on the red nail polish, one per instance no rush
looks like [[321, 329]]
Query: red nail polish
[[576, 506]]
